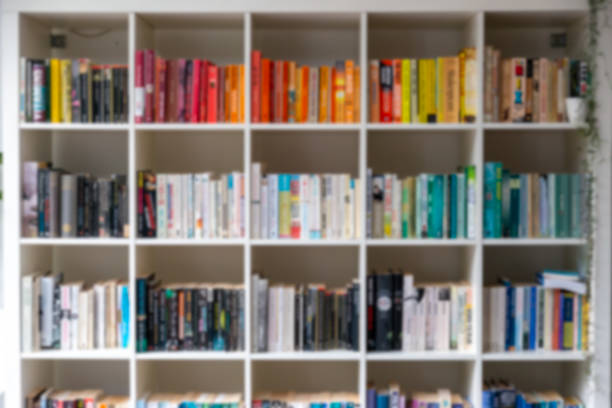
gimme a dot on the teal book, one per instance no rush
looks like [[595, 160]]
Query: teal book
[[523, 212], [552, 205], [382, 401], [515, 204], [576, 210], [461, 206], [492, 204], [437, 207], [562, 198], [430, 205], [505, 203], [424, 217], [445, 205], [452, 208]]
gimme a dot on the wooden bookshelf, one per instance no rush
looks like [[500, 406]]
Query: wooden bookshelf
[[311, 34]]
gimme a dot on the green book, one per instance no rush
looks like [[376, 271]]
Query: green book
[[461, 206]]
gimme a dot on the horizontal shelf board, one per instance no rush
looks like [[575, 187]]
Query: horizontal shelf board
[[80, 127], [532, 126], [189, 242], [533, 241], [422, 126], [191, 355], [420, 242], [420, 356], [106, 354], [537, 356], [340, 355], [76, 241], [306, 126], [199, 127], [305, 242]]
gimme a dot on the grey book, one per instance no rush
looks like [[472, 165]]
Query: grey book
[[54, 203], [50, 311], [262, 313], [68, 200]]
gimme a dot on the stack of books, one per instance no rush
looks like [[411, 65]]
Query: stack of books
[[190, 205], [502, 394], [187, 90], [60, 204], [72, 91], [404, 316], [313, 400], [304, 206], [393, 397], [283, 92], [532, 205], [69, 316], [49, 397], [531, 89], [422, 206], [189, 316], [190, 399], [304, 317], [552, 315], [440, 90]]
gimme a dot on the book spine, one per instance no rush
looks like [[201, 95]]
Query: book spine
[[386, 90]]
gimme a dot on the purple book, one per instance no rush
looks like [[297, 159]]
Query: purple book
[[371, 398]]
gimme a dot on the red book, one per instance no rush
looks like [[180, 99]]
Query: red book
[[188, 89], [255, 86], [139, 93], [180, 97], [195, 91], [265, 90], [211, 103], [386, 90], [278, 91], [285, 92], [160, 90], [272, 96], [203, 89], [149, 81]]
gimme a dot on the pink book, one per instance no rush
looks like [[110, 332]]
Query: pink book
[[203, 89], [180, 100], [195, 92], [255, 86], [161, 105], [149, 82], [211, 103], [139, 91]]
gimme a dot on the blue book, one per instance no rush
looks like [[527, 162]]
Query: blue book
[[487, 399], [533, 317], [515, 205], [510, 316], [124, 325], [452, 215], [544, 208], [371, 398], [382, 400], [568, 321]]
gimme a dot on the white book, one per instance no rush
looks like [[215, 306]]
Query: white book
[[264, 210], [100, 316], [396, 207], [223, 203], [358, 208], [502, 301], [160, 198], [83, 320], [444, 398], [189, 206], [289, 315], [330, 205], [211, 188], [408, 313], [111, 313], [272, 319], [430, 323], [178, 222], [242, 208], [36, 299], [549, 307], [27, 297], [394, 396], [198, 216], [235, 207], [340, 192], [467, 343], [350, 215], [256, 200], [316, 232], [273, 205], [171, 206], [304, 206], [75, 291], [205, 188], [456, 319]]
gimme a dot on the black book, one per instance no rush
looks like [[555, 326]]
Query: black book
[[85, 92], [310, 319], [355, 320], [384, 311], [199, 319], [125, 96], [162, 329], [107, 97], [241, 325], [94, 205], [371, 311], [75, 96], [97, 94], [150, 316], [80, 205], [116, 94], [47, 92], [398, 294], [156, 345], [86, 206], [172, 320], [41, 186], [142, 297], [188, 323], [320, 320], [210, 310]]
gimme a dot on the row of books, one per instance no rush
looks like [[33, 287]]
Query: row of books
[[304, 317], [187, 90], [306, 206], [551, 315], [282, 91], [393, 397], [302, 400], [533, 205], [190, 400], [190, 205], [407, 317], [59, 204], [502, 394], [440, 90], [531, 89], [70, 91], [70, 316], [423, 206], [188, 316], [50, 397]]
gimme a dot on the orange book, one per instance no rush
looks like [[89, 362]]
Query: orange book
[[234, 110], [227, 90], [396, 109], [349, 98], [374, 99], [285, 88], [451, 89], [357, 91], [241, 93], [265, 90], [323, 94], [332, 100], [304, 93]]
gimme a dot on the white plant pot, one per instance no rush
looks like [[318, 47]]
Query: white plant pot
[[576, 110]]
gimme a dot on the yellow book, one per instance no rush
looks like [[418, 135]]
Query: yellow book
[[469, 81], [284, 205], [405, 91], [357, 86], [324, 94], [66, 73], [56, 91], [427, 91], [440, 90], [349, 94], [241, 92], [585, 323]]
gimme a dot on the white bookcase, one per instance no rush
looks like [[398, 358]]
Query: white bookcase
[[317, 32]]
